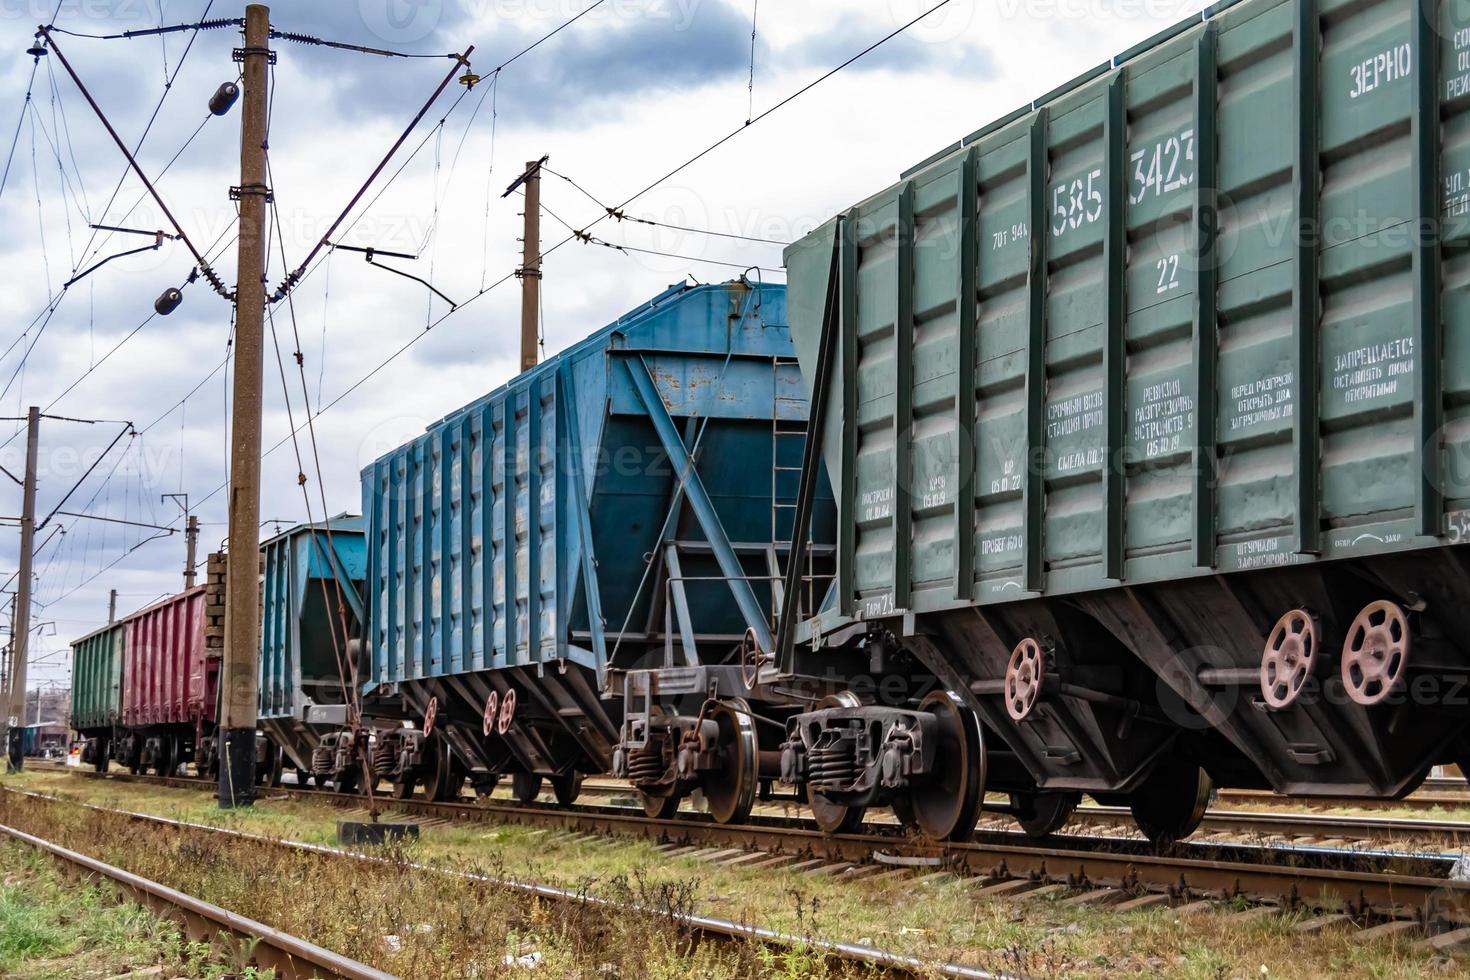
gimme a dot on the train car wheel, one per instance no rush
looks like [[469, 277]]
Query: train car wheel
[[731, 788], [660, 807], [1170, 803], [268, 771], [347, 780], [567, 788], [834, 818], [443, 780], [1043, 814], [947, 803], [100, 750], [525, 786], [903, 811], [163, 762]]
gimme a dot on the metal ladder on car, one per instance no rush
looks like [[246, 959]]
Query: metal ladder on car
[[788, 443]]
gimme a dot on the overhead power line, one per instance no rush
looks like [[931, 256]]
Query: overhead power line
[[623, 216], [419, 335]]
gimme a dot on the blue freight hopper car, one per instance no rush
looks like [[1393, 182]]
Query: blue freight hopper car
[[311, 648], [612, 521]]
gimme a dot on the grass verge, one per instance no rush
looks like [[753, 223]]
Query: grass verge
[[940, 920]]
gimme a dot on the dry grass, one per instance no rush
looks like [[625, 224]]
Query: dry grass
[[943, 920]]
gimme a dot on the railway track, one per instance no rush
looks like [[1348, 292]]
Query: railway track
[[879, 961], [1394, 891], [271, 948], [1219, 827]]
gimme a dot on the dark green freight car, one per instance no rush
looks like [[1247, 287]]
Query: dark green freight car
[[1148, 413]]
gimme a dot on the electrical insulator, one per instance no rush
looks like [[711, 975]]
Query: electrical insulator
[[223, 98], [168, 301]]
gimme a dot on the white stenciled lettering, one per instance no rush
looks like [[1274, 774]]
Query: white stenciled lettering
[[1163, 167], [1267, 399], [1166, 414], [1382, 68], [1373, 371]]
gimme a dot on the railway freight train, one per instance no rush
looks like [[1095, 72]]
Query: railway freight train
[[1116, 449]]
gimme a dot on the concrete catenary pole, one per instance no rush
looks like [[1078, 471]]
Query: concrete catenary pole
[[242, 581], [191, 541], [21, 622], [530, 271], [111, 606]]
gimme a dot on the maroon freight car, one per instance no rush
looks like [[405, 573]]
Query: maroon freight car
[[171, 671]]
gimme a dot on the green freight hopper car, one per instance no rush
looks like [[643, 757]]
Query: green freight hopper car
[[1147, 409], [96, 691]]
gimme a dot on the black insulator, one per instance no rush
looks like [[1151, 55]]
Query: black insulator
[[223, 98], [168, 301], [36, 51]]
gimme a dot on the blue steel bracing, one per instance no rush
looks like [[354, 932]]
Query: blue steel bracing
[[699, 501]]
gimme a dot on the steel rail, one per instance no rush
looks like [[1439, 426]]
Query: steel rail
[[1367, 885], [880, 959], [1364, 829], [289, 956]]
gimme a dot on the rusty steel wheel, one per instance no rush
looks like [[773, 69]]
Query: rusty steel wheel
[[1171, 801], [731, 788], [1290, 657], [491, 714], [507, 712], [947, 802], [525, 786], [660, 807], [831, 817], [1375, 655], [1025, 675], [1042, 814]]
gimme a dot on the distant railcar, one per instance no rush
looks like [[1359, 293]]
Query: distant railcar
[[96, 691], [311, 649], [170, 678]]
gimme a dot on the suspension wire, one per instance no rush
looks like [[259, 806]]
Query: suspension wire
[[755, 6], [489, 176], [294, 276], [346, 666], [628, 250], [620, 215], [202, 263], [117, 188], [19, 122]]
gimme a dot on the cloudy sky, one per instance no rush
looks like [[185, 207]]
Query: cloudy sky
[[617, 99]]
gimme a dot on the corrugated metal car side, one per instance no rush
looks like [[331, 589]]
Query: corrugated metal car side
[[168, 675], [429, 501], [1037, 296], [96, 689]]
